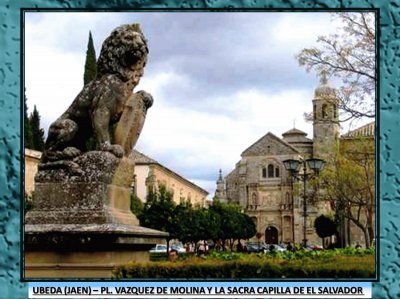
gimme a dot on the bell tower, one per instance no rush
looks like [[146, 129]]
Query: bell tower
[[220, 192], [325, 120]]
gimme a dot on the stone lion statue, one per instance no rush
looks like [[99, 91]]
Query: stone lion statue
[[95, 113]]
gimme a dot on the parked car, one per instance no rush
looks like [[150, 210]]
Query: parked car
[[163, 248], [313, 247], [277, 247], [256, 247], [316, 247], [178, 248], [159, 248]]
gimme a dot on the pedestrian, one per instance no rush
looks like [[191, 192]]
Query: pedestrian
[[172, 255]]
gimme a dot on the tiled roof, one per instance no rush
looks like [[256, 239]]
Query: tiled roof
[[140, 158], [367, 130], [294, 131]]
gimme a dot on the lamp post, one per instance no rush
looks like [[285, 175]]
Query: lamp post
[[294, 166]]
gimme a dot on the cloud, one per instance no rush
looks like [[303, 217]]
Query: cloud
[[198, 143], [55, 85], [220, 80]]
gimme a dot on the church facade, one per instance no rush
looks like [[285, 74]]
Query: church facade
[[266, 190]]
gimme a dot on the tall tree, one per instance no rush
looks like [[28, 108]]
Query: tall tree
[[36, 131], [27, 127], [350, 185], [90, 63], [324, 227], [136, 204], [349, 54], [234, 225], [159, 211]]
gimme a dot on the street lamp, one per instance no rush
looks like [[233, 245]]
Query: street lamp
[[293, 166]]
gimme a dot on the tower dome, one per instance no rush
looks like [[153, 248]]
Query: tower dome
[[294, 134], [324, 89]]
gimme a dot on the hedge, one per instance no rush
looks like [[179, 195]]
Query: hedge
[[252, 267]]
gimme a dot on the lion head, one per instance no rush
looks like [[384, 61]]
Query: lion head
[[124, 53]]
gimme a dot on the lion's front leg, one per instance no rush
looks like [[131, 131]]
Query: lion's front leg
[[101, 123]]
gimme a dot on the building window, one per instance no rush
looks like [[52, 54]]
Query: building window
[[270, 171], [334, 111], [277, 172], [264, 172], [323, 110], [315, 112]]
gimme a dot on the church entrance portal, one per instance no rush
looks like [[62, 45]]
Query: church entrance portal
[[271, 235]]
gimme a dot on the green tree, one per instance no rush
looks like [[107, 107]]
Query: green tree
[[183, 222], [233, 224], [349, 184], [136, 204], [350, 55], [90, 62], [28, 203], [89, 74], [324, 227], [247, 228], [27, 126], [158, 212], [212, 223], [192, 224], [36, 131]]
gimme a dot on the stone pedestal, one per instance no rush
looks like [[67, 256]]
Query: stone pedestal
[[81, 225]]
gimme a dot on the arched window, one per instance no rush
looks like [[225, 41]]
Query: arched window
[[270, 171], [264, 172], [323, 111], [315, 112], [334, 111], [277, 172]]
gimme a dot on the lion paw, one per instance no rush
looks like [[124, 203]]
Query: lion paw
[[115, 149], [146, 98], [71, 152]]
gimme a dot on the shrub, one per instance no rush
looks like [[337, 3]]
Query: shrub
[[305, 264]]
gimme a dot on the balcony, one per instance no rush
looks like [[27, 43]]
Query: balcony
[[286, 207], [252, 207]]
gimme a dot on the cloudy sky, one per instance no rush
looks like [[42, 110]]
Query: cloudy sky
[[220, 81]]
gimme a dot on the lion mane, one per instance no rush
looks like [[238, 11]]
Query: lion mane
[[98, 107], [124, 47]]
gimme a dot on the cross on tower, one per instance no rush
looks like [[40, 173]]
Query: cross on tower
[[324, 77]]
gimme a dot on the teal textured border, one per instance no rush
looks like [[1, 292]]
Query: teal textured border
[[10, 129]]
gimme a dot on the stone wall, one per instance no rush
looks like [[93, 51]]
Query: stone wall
[[32, 159], [181, 188]]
